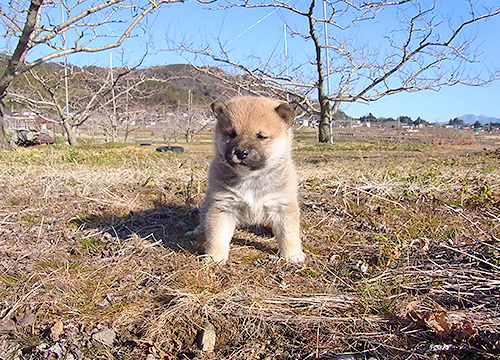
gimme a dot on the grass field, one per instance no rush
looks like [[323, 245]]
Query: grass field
[[402, 244]]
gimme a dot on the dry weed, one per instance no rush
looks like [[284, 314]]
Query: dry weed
[[91, 240]]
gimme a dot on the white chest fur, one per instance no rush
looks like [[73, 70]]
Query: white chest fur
[[256, 205]]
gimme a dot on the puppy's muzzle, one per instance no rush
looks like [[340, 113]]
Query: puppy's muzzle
[[241, 153], [242, 156]]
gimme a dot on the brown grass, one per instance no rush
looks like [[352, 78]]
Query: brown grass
[[92, 237]]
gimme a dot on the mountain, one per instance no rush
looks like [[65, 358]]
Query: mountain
[[168, 85], [483, 119]]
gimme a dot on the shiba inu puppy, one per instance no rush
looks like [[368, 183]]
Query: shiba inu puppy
[[252, 178]]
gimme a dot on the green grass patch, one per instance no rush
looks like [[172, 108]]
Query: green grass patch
[[362, 145], [28, 218], [91, 244]]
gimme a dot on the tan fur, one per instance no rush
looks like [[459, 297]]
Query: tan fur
[[252, 178]]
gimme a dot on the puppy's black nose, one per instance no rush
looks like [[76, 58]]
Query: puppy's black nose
[[241, 153]]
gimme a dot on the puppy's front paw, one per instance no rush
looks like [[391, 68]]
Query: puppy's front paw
[[194, 234], [296, 258], [207, 260], [217, 258]]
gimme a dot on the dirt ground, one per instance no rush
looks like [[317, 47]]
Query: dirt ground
[[401, 237]]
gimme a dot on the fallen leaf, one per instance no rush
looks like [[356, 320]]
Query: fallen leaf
[[25, 319], [396, 253], [7, 325], [106, 337], [206, 337], [56, 330], [422, 245], [414, 314], [466, 331], [437, 320]]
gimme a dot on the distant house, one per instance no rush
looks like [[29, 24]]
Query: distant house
[[24, 119], [391, 124], [302, 122], [346, 123], [420, 123], [368, 118], [309, 121]]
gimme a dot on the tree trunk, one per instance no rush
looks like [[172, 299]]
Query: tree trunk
[[4, 144], [324, 103], [127, 131], [15, 61], [324, 122], [70, 133]]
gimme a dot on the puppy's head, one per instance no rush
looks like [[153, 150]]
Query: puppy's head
[[253, 133]]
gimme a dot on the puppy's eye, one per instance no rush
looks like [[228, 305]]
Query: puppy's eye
[[231, 134], [261, 137]]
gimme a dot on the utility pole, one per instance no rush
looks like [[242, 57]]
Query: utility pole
[[286, 59], [327, 71], [112, 85], [65, 63]]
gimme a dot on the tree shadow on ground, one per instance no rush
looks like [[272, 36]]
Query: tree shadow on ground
[[164, 222]]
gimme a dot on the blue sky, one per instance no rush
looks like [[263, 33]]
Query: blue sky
[[252, 33]]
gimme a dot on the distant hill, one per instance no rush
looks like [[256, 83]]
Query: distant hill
[[483, 119], [169, 84]]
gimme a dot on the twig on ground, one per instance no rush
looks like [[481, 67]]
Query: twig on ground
[[471, 256]]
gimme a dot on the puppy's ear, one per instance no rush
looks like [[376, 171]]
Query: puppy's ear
[[220, 110], [286, 112]]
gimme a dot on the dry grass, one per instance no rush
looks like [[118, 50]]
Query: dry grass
[[92, 237]]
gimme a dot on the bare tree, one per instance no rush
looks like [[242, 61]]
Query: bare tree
[[233, 78], [93, 26], [94, 91], [186, 123], [421, 51], [196, 120]]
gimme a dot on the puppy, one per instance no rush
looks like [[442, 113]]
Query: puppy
[[252, 178]]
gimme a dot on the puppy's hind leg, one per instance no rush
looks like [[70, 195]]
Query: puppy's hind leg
[[286, 229], [219, 229]]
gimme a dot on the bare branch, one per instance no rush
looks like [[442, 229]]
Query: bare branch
[[95, 27], [423, 52]]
